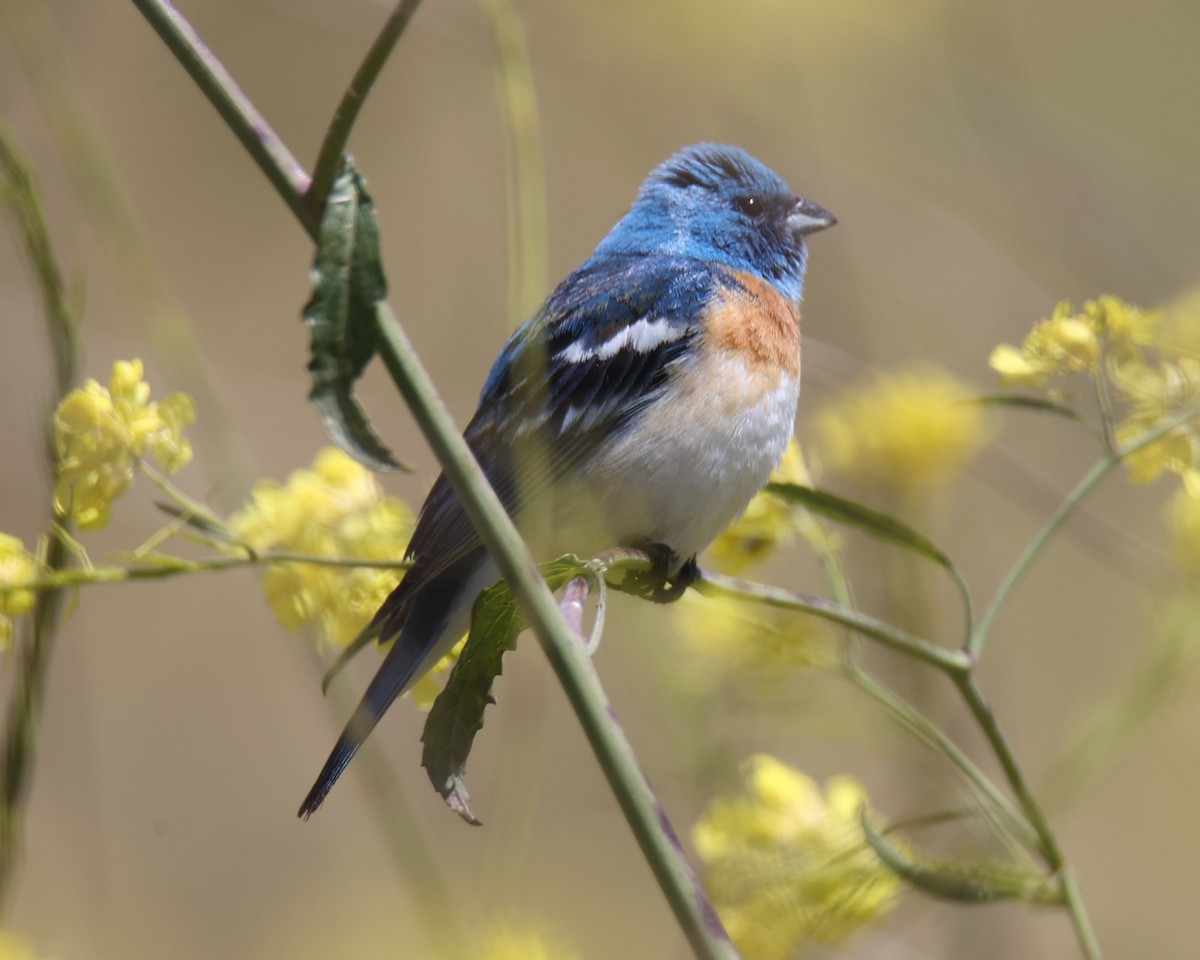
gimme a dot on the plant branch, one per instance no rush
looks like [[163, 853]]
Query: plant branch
[[1090, 481], [329, 158], [19, 191], [953, 662]]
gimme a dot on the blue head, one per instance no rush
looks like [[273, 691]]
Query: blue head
[[715, 202]]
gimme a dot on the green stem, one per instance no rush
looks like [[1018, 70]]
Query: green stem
[[1085, 486], [1079, 917], [1090, 481], [526, 173], [986, 719], [19, 191], [954, 662], [571, 664], [329, 158], [165, 567], [933, 736], [265, 147]]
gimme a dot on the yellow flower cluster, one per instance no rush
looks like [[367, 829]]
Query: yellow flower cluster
[[905, 431], [337, 510], [13, 948], [787, 865], [518, 944], [101, 434], [16, 566], [1139, 359], [1069, 342], [745, 640]]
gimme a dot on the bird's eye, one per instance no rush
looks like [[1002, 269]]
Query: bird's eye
[[751, 206]]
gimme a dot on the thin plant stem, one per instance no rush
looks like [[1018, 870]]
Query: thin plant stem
[[165, 567], [527, 239], [20, 193], [1079, 916], [329, 158], [953, 662], [1090, 481], [933, 736], [263, 145]]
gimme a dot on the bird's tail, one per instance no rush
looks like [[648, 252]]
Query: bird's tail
[[438, 616]]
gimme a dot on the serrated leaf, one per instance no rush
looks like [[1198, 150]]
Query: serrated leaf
[[876, 524], [457, 713], [348, 284], [961, 882]]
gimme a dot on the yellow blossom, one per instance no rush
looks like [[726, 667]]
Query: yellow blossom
[[521, 944], [907, 431], [768, 523], [16, 566], [754, 642], [787, 864], [1068, 342], [335, 509], [426, 689], [1153, 396], [13, 948], [101, 434]]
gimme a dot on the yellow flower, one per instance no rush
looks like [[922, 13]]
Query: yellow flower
[[336, 509], [16, 566], [787, 865], [1154, 395], [907, 431], [750, 640], [768, 522], [13, 948], [101, 434], [515, 944], [426, 690], [1069, 342]]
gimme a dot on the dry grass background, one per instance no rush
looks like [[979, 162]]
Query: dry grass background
[[985, 161]]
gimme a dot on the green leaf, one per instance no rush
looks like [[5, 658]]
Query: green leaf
[[1024, 402], [984, 882], [876, 524], [348, 284], [457, 713]]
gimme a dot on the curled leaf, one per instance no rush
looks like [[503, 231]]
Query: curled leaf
[[348, 286]]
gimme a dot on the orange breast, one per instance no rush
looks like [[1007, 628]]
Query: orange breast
[[757, 323]]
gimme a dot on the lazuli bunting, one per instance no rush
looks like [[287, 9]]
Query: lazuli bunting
[[644, 404]]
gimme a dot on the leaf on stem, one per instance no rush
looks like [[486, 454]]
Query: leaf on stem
[[348, 283], [984, 882], [457, 714], [876, 524], [1025, 402]]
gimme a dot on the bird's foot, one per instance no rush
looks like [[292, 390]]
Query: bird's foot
[[669, 579]]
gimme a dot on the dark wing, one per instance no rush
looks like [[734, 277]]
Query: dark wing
[[574, 376]]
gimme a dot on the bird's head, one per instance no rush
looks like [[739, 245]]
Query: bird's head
[[715, 202]]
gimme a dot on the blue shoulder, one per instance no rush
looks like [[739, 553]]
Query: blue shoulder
[[601, 299]]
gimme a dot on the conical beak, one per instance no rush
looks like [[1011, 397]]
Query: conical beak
[[807, 217]]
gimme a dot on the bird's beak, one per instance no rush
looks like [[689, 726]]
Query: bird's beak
[[807, 217]]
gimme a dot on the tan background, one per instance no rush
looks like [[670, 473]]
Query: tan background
[[985, 160]]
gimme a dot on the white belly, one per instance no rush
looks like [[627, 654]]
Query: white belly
[[692, 462]]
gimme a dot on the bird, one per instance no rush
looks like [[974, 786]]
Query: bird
[[642, 405]]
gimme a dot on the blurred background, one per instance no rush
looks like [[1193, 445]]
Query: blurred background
[[984, 160]]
